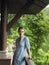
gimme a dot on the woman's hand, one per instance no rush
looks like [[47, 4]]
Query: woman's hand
[[30, 58], [28, 51]]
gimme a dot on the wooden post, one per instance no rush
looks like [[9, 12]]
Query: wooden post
[[3, 25]]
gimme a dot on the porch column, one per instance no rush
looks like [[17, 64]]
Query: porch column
[[3, 39]]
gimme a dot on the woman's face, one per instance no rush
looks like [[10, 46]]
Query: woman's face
[[21, 32]]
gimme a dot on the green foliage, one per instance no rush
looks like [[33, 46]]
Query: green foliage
[[37, 29]]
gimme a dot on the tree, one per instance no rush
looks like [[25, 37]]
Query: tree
[[37, 29]]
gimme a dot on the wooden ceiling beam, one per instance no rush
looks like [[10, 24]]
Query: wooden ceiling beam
[[38, 4], [13, 21], [19, 13], [42, 2]]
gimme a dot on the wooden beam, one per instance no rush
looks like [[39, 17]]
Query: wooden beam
[[42, 2], [3, 25], [19, 13], [13, 21], [37, 2]]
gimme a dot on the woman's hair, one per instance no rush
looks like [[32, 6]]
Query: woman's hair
[[20, 28]]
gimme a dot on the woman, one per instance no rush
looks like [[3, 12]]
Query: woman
[[22, 48]]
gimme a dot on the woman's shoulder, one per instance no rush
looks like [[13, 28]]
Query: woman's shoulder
[[25, 37]]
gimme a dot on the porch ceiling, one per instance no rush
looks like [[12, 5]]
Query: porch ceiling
[[35, 6]]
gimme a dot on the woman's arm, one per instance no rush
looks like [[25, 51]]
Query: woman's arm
[[28, 47], [28, 51]]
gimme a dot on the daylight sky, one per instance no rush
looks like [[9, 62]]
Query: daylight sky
[[47, 5]]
